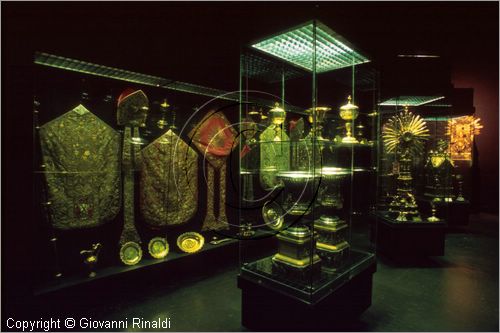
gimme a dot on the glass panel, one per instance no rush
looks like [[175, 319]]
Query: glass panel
[[304, 159], [416, 168], [120, 180], [79, 66]]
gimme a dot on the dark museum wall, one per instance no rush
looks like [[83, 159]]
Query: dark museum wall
[[484, 80], [200, 43]]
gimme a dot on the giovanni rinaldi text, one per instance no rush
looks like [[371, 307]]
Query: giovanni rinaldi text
[[86, 323]]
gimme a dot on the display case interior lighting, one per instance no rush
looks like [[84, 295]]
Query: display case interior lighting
[[79, 66], [410, 100], [418, 56], [441, 104], [297, 46], [431, 119], [332, 171]]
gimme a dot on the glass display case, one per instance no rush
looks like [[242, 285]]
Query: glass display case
[[307, 102], [462, 130], [416, 175], [131, 170]]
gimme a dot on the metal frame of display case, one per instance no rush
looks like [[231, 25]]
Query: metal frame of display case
[[279, 262]]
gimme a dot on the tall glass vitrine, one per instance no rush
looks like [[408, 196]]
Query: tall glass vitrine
[[307, 102], [416, 185]]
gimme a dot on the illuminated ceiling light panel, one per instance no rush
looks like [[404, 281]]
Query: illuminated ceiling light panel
[[431, 119], [297, 46], [410, 100], [442, 104], [418, 56], [79, 66]]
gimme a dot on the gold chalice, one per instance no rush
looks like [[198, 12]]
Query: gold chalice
[[349, 112], [278, 116], [255, 115], [320, 119]]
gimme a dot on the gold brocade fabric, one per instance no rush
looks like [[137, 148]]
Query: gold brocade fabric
[[130, 156], [82, 169], [210, 222], [274, 156], [169, 181], [222, 187], [131, 113], [307, 154]]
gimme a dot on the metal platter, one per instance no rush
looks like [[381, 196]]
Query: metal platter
[[190, 242], [130, 253], [158, 247]]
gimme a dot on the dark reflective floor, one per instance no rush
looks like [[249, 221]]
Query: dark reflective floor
[[457, 292]]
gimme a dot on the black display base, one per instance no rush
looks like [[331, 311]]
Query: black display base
[[332, 261], [263, 308], [72, 297], [458, 212], [174, 257], [402, 241], [286, 271]]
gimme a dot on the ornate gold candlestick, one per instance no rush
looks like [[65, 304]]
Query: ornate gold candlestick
[[162, 123], [433, 217], [460, 182]]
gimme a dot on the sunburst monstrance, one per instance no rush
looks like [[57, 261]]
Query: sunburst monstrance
[[404, 134]]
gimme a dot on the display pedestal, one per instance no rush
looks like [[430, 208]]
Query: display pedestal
[[458, 212], [265, 308], [405, 240], [149, 268]]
